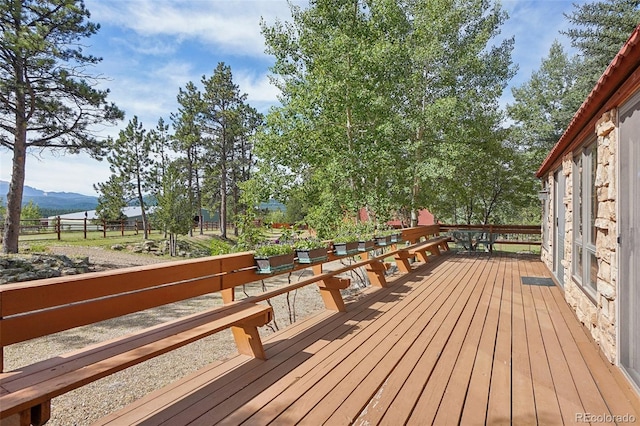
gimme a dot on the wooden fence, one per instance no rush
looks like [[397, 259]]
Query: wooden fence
[[90, 228]]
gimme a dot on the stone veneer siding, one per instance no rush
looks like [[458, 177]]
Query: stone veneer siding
[[598, 317]]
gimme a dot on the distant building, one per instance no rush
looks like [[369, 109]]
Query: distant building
[[425, 217]]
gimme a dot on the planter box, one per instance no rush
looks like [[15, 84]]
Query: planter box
[[366, 245], [343, 249], [273, 264], [312, 256], [396, 238], [383, 241]]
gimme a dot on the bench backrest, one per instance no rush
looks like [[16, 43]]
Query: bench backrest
[[413, 235], [38, 308]]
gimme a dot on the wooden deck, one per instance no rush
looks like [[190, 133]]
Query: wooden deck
[[459, 340]]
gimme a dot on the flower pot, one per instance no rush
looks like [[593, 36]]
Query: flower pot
[[273, 264], [383, 241], [396, 238], [366, 245], [312, 255], [343, 249]]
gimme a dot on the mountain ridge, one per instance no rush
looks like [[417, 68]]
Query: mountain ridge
[[51, 200]]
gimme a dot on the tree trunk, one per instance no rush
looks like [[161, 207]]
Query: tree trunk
[[16, 187], [223, 201], [14, 196], [142, 210]]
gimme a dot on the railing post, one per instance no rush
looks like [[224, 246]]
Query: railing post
[[59, 226], [104, 228], [122, 227], [85, 228]]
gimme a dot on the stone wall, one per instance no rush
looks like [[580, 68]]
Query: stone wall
[[596, 311]]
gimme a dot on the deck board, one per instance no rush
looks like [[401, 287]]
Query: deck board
[[457, 340]]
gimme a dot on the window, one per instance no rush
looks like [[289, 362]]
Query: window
[[585, 209], [546, 220]]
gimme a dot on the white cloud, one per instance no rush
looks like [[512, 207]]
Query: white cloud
[[232, 26], [257, 87]]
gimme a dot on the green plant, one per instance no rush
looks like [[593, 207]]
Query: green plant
[[268, 250], [219, 247], [309, 244]]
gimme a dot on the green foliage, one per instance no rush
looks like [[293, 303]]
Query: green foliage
[[226, 123], [267, 250], [309, 244], [251, 233], [543, 105], [369, 90], [112, 198], [275, 216], [30, 212], [132, 163], [172, 212], [598, 29], [219, 246]]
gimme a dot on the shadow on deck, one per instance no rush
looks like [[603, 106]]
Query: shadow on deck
[[463, 339]]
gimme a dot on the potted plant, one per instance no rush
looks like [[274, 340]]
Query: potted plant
[[386, 235], [344, 245], [396, 236], [272, 258], [366, 243], [310, 250]]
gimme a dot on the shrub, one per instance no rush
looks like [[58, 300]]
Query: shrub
[[221, 247], [273, 250]]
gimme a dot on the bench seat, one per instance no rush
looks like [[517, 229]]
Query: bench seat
[[433, 245], [27, 392]]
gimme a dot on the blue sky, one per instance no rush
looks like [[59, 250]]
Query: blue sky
[[151, 48]]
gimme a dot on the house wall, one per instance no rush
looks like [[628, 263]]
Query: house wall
[[596, 310]]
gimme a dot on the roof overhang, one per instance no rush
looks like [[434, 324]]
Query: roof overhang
[[619, 81]]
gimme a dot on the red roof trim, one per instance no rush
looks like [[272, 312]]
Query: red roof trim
[[622, 66]]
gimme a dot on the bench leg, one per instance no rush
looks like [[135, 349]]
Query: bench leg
[[41, 414], [248, 341], [402, 262], [228, 295], [330, 292], [435, 250], [422, 255], [375, 272], [247, 337], [36, 416]]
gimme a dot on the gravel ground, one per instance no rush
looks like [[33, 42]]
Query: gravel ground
[[84, 405]]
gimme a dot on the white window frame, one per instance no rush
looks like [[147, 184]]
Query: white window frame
[[584, 215]]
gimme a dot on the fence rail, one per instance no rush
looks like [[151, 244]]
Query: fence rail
[[90, 228], [491, 235]]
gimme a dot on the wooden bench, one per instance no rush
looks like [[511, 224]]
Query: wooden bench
[[44, 307], [31, 310], [433, 246]]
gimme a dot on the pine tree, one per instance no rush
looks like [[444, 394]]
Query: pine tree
[[112, 198], [223, 108], [48, 98], [598, 30], [131, 161], [189, 143]]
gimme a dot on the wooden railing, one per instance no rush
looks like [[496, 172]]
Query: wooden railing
[[44, 307], [500, 234]]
